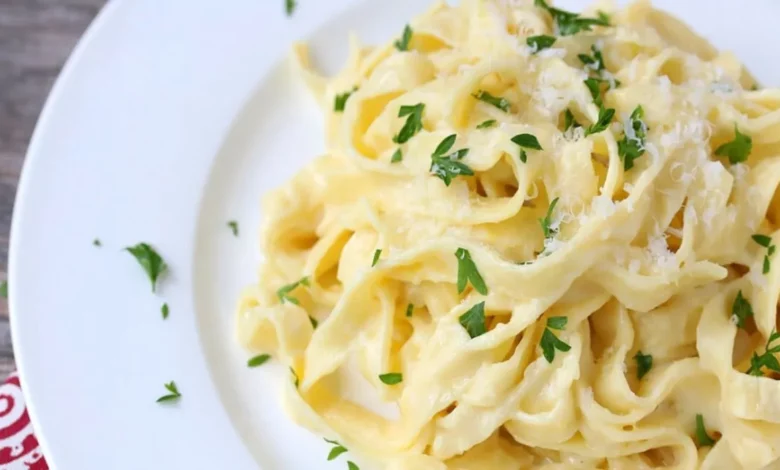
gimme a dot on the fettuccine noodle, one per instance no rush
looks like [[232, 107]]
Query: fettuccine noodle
[[555, 286]]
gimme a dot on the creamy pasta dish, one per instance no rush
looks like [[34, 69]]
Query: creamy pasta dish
[[538, 239]]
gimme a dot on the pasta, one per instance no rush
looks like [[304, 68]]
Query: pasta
[[538, 239]]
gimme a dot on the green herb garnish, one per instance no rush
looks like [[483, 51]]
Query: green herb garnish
[[337, 450], [605, 118], [296, 380], [741, 310], [233, 227], [550, 342], [569, 23], [377, 254], [767, 359], [165, 311], [448, 167], [403, 43], [546, 222], [630, 149], [397, 156], [701, 433], [391, 378], [258, 360], [486, 124], [644, 362], [569, 121], [468, 272], [174, 394], [526, 141], [4, 289], [413, 124], [284, 293], [766, 242], [340, 101], [594, 62], [409, 310], [498, 102], [314, 322], [153, 264], [474, 320], [352, 465], [97, 242], [289, 7], [738, 150], [539, 43]]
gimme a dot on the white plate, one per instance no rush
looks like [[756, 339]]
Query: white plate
[[171, 118]]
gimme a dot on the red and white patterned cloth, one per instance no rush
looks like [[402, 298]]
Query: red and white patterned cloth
[[19, 448]]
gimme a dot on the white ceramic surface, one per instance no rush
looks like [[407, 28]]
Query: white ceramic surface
[[171, 118]]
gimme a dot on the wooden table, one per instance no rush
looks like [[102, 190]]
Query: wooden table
[[36, 37]]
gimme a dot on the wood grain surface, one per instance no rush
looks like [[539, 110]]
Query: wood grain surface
[[36, 36]]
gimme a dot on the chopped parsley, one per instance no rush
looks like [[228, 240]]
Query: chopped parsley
[[314, 322], [605, 118], [173, 394], [337, 449], [165, 311], [569, 121], [468, 272], [568, 23], [397, 156], [738, 150], [526, 141], [409, 310], [550, 342], [150, 261], [474, 320], [4, 289], [403, 43], [258, 360], [498, 102], [448, 167], [377, 254], [97, 242], [540, 43], [296, 380], [594, 62], [767, 359], [284, 293], [547, 221], [741, 310], [486, 124], [766, 242], [289, 7], [644, 362], [702, 437], [352, 465], [391, 378], [594, 86], [413, 124], [341, 100], [631, 148], [233, 225]]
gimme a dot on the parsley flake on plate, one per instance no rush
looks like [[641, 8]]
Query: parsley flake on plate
[[702, 437], [741, 310], [568, 23], [340, 101], [289, 7], [409, 310], [632, 146], [767, 358], [547, 221], [258, 360], [233, 226], [377, 254], [150, 261], [487, 124], [604, 119], [173, 394], [397, 156], [165, 311], [403, 43], [336, 451]]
